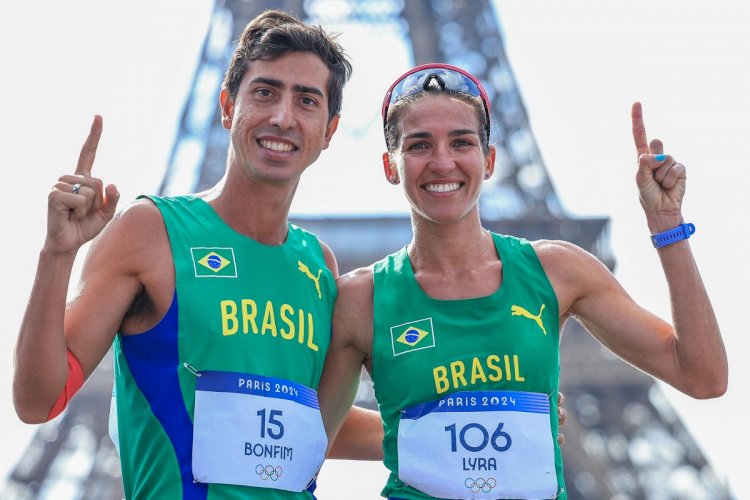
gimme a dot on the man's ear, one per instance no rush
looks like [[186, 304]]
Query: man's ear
[[391, 173], [333, 124], [227, 108]]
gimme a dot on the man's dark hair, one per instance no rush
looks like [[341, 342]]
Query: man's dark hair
[[275, 33]]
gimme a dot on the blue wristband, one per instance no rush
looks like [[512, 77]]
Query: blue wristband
[[679, 233]]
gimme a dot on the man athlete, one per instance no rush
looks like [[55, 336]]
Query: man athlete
[[205, 347]]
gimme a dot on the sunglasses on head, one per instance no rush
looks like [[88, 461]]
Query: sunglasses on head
[[446, 76]]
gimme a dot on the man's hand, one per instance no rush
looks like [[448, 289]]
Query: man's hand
[[78, 205]]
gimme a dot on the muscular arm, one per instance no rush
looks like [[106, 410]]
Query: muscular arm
[[689, 355], [353, 433], [40, 358], [121, 262], [360, 436], [80, 209]]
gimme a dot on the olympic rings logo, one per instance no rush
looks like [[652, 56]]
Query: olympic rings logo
[[268, 472], [480, 484]]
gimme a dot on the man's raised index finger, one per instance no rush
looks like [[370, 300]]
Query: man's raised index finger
[[639, 129], [88, 151]]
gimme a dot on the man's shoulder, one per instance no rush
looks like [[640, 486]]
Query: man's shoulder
[[137, 226], [132, 254], [140, 213]]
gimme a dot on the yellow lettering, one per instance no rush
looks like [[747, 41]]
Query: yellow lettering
[[507, 366], [289, 328], [269, 320], [440, 374], [516, 370], [229, 323], [249, 312], [301, 326], [286, 310], [477, 372], [311, 333], [495, 367], [491, 360], [457, 372]]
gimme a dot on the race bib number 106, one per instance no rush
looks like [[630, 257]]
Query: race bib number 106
[[490, 444]]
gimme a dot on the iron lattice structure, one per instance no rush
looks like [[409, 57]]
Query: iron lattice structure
[[463, 33], [623, 439]]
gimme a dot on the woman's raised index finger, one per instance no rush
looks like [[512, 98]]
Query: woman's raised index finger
[[639, 129], [88, 151]]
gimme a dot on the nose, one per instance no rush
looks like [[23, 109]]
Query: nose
[[283, 114], [442, 160]]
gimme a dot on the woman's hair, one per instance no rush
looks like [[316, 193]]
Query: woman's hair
[[397, 110]]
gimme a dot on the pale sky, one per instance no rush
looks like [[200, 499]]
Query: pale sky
[[579, 64]]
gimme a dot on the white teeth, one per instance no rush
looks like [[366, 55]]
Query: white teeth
[[276, 146], [443, 188]]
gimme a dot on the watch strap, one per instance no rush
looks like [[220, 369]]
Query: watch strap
[[679, 233]]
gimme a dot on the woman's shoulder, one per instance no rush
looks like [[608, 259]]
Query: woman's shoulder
[[356, 284]]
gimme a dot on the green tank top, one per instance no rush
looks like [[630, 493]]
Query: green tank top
[[426, 349], [239, 306]]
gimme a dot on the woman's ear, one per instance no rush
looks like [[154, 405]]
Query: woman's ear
[[391, 173], [489, 166]]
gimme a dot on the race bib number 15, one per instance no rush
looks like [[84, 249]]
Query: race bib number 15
[[256, 431]]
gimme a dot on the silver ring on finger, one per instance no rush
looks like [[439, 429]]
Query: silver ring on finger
[[76, 188]]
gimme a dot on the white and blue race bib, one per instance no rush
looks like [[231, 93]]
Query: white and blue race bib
[[479, 445], [256, 431]]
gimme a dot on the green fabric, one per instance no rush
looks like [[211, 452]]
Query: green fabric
[[459, 345], [242, 307]]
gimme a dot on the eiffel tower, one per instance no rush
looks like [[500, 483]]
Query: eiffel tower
[[623, 439]]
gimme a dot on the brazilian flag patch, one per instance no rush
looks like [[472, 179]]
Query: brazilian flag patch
[[214, 262], [412, 336]]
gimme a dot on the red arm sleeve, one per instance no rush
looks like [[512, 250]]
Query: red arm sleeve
[[72, 385]]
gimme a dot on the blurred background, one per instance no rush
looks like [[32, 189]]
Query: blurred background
[[561, 77]]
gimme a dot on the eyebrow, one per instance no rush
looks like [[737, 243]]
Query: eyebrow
[[307, 90], [303, 89], [463, 131], [453, 133]]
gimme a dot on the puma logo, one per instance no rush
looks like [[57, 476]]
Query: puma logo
[[316, 279], [520, 311]]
